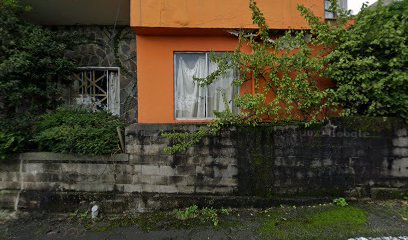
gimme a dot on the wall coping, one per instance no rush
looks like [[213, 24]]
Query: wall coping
[[66, 157]]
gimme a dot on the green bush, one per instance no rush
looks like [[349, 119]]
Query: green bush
[[206, 214], [9, 143], [32, 61], [370, 64], [188, 213], [15, 133], [340, 202], [33, 67], [70, 130]]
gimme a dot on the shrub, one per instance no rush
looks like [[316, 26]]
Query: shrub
[[32, 62], [341, 202], [206, 214], [369, 65], [9, 143], [70, 130], [16, 133], [190, 212], [32, 70]]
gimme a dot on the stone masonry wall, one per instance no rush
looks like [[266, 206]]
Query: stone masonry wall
[[357, 157], [110, 46]]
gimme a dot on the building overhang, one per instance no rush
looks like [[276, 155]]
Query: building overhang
[[79, 12], [216, 14]]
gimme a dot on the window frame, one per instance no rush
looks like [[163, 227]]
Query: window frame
[[107, 69], [207, 53], [341, 4]]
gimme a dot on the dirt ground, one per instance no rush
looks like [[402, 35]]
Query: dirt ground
[[324, 221]]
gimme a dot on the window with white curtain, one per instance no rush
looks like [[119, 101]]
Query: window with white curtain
[[193, 101]]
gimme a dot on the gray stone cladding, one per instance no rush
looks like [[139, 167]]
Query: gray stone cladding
[[110, 46]]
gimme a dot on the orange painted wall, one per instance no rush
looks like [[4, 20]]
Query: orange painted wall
[[167, 26], [155, 55], [156, 70], [280, 14]]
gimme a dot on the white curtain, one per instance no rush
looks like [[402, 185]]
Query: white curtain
[[221, 92], [327, 4], [113, 93], [190, 97]]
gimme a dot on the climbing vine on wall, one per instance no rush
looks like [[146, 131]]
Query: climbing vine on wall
[[365, 57], [286, 72]]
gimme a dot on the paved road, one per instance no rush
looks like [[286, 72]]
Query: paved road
[[382, 219]]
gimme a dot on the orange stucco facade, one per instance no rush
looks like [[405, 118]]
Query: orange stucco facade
[[156, 70], [227, 14], [164, 27]]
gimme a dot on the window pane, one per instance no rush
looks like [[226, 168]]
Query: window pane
[[343, 4], [330, 15], [327, 12], [221, 93], [113, 93], [189, 96], [97, 89], [327, 5]]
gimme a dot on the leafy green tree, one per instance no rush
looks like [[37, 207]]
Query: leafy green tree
[[32, 66], [286, 71], [369, 62], [366, 58], [32, 61]]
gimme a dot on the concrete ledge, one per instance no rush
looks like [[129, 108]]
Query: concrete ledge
[[61, 157], [136, 128]]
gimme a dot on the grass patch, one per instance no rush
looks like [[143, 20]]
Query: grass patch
[[145, 221], [206, 214], [404, 213], [188, 218], [315, 223]]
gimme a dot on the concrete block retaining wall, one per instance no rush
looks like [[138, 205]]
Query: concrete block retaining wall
[[244, 165], [208, 168]]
